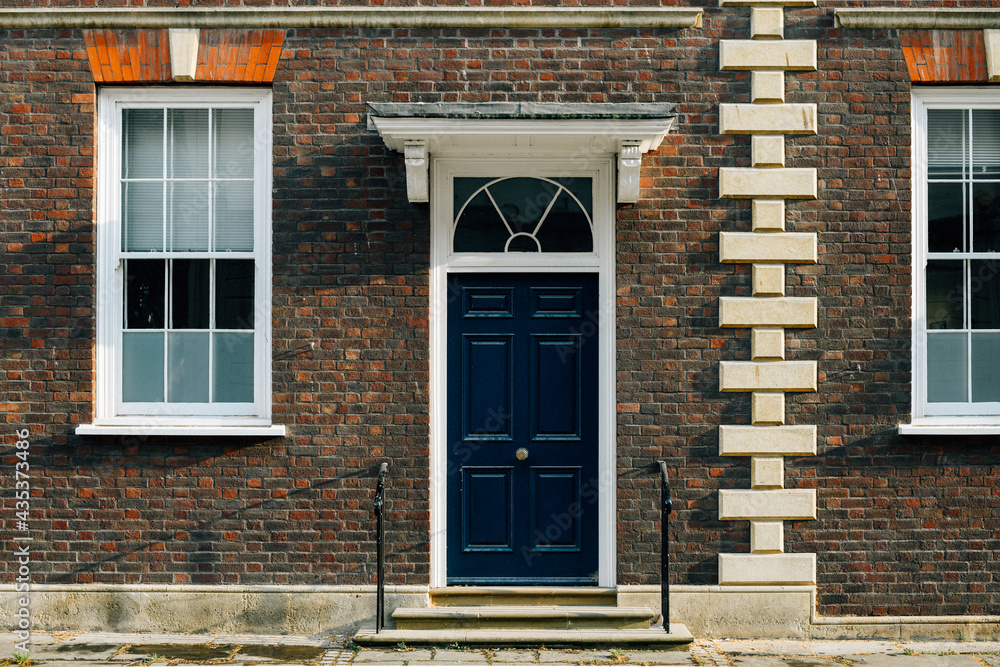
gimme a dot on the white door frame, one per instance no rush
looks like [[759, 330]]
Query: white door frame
[[601, 261]]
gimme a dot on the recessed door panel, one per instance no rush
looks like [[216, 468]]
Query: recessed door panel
[[555, 509], [488, 509], [522, 429], [555, 387], [487, 391]]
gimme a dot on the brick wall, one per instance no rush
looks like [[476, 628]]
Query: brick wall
[[906, 525]]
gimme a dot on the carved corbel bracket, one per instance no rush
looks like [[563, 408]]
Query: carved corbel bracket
[[415, 158], [629, 162]]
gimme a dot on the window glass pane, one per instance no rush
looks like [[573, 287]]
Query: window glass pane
[[985, 217], [142, 366], [187, 367], [189, 287], [233, 368], [985, 367], [946, 217], [984, 293], [985, 143], [947, 146], [566, 228], [479, 228], [234, 217], [142, 149], [142, 213], [234, 282], [945, 295], [144, 293], [234, 139], [947, 366], [189, 217], [188, 143]]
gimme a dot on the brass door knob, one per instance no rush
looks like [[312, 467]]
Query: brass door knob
[[521, 454]]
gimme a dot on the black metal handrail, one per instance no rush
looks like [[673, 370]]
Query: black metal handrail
[[383, 471], [667, 506]]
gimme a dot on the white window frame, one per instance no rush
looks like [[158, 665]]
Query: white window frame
[[926, 418], [164, 418]]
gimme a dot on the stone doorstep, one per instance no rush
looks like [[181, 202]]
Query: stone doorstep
[[467, 596], [678, 634], [523, 617]]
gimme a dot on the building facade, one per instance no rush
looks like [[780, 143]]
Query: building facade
[[522, 254]]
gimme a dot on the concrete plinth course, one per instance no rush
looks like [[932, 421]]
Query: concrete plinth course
[[98, 649]]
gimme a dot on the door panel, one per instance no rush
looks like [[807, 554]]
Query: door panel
[[522, 377]]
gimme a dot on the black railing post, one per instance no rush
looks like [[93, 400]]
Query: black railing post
[[665, 509], [383, 470]]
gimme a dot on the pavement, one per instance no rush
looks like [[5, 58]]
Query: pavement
[[107, 649]]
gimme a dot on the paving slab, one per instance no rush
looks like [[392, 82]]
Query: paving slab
[[991, 660], [67, 651], [925, 660], [546, 655], [952, 647], [394, 657], [514, 655], [761, 647], [853, 647], [660, 657], [788, 661], [138, 638], [275, 640]]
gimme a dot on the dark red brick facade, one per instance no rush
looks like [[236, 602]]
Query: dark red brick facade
[[907, 525]]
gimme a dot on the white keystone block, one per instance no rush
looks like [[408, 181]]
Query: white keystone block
[[797, 247], [773, 183], [992, 41], [767, 440], [767, 537], [183, 52], [767, 376], [767, 569], [768, 215], [767, 119], [767, 343], [783, 54], [768, 280], [767, 408], [767, 23], [779, 504], [767, 150], [767, 472], [768, 311], [767, 87]]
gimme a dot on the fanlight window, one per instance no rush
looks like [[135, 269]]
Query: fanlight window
[[519, 214]]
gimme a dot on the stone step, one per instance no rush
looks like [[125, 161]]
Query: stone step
[[470, 596], [678, 634], [509, 617]]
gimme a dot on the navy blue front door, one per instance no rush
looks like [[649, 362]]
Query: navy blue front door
[[522, 429]]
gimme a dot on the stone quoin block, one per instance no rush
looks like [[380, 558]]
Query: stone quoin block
[[776, 183], [767, 569], [799, 440], [771, 311], [752, 504], [783, 54], [767, 119]]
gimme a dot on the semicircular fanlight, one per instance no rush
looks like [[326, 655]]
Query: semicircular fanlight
[[523, 214]]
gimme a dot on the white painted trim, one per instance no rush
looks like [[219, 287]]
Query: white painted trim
[[351, 17], [275, 431], [109, 416], [602, 261], [941, 418], [577, 138]]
